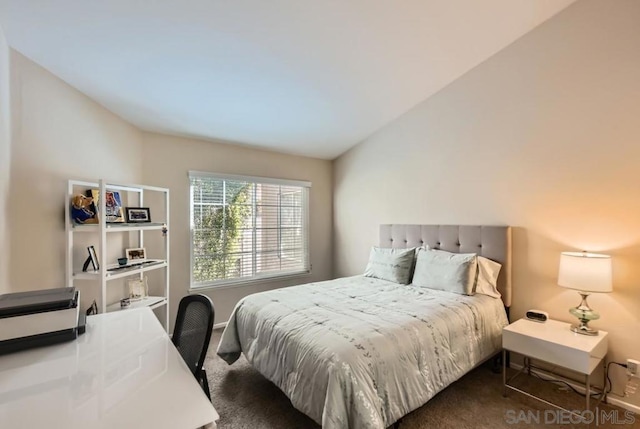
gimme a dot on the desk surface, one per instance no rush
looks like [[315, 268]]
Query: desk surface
[[124, 372]]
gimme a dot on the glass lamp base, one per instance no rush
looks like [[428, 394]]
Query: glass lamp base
[[584, 313], [583, 329]]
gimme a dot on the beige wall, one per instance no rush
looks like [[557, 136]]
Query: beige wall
[[169, 161], [5, 160], [544, 136], [57, 134]]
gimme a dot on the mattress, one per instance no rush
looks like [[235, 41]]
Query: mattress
[[360, 352]]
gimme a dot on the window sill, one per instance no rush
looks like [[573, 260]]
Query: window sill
[[241, 283]]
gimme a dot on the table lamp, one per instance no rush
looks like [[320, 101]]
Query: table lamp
[[586, 273]]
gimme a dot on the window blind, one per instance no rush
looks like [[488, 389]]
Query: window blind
[[245, 228]]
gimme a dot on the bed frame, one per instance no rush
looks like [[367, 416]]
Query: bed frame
[[493, 242]]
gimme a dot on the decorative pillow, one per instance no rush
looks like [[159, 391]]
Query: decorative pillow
[[393, 265], [487, 283], [451, 272]]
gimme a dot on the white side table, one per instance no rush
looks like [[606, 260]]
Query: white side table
[[554, 343]]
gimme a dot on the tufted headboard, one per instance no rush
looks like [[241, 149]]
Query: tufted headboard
[[493, 242]]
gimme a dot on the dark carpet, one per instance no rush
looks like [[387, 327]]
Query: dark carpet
[[246, 400]]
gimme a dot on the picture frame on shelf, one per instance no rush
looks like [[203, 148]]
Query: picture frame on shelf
[[138, 289], [92, 259], [136, 254], [93, 309], [113, 207], [137, 214]]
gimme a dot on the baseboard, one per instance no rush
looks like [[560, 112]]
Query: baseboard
[[612, 398], [220, 325], [617, 400]]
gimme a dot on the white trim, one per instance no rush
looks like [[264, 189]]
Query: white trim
[[252, 179], [307, 226], [220, 325], [614, 399], [190, 214], [230, 284]]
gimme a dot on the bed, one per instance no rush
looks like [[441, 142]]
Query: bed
[[361, 352]]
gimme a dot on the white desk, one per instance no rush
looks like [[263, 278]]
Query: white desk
[[124, 372]]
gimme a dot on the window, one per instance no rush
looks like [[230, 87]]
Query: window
[[247, 228]]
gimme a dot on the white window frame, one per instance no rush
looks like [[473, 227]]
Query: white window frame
[[221, 284]]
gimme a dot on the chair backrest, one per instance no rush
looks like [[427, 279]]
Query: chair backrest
[[192, 331]]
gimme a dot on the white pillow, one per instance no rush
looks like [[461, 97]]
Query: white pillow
[[393, 265], [451, 272], [487, 283]]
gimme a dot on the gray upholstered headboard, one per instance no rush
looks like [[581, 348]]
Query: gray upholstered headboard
[[493, 242]]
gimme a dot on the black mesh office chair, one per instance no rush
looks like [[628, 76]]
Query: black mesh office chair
[[192, 333]]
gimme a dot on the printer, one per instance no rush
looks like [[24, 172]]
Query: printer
[[39, 318]]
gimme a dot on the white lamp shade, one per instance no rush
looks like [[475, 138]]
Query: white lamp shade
[[586, 272]]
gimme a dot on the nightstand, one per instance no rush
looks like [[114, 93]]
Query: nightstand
[[554, 343]]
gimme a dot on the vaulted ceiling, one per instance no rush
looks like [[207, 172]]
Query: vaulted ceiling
[[298, 76]]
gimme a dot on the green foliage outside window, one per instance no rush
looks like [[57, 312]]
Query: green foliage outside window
[[221, 212]]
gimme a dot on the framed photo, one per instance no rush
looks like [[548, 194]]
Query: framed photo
[[113, 207], [137, 214], [93, 309], [94, 258], [138, 289], [136, 254]]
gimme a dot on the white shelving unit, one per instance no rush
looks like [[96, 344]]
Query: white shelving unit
[[111, 238]]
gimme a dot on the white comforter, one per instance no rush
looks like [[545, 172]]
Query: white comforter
[[359, 352]]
